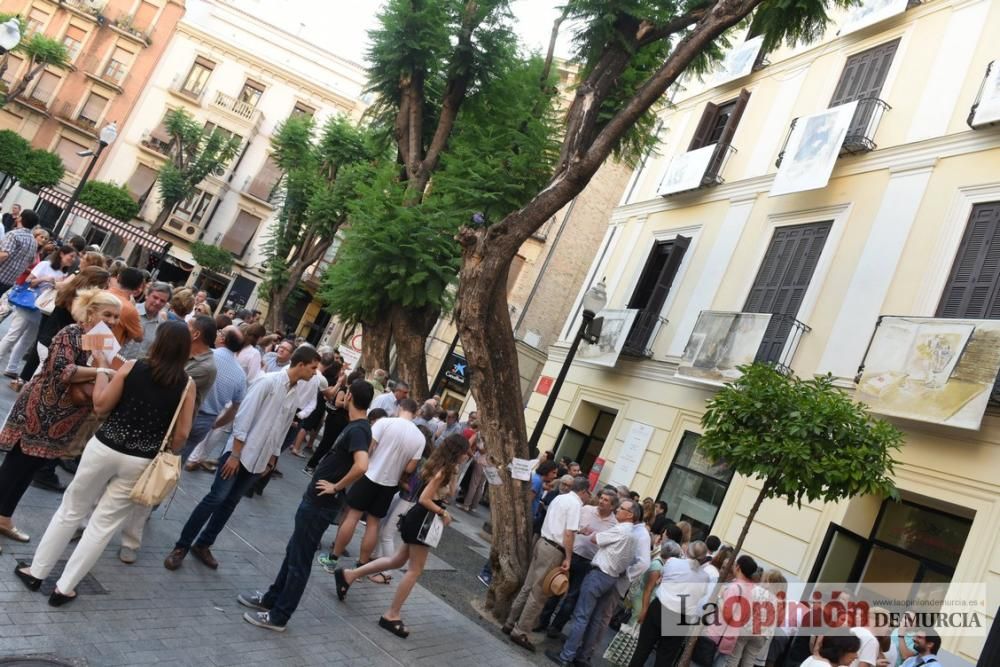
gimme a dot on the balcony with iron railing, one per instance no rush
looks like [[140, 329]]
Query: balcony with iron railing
[[986, 112], [111, 74], [155, 143], [245, 112], [639, 342], [67, 114], [860, 136], [711, 176], [263, 188], [781, 340]]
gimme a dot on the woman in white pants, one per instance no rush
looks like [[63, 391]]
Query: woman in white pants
[[141, 401], [24, 323]]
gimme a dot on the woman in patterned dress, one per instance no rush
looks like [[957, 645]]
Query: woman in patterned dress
[[43, 421]]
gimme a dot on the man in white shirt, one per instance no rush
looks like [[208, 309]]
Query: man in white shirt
[[552, 549], [389, 401], [397, 447], [593, 519], [868, 653], [261, 422], [615, 553]]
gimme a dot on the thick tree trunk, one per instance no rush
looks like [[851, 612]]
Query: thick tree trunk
[[376, 338], [276, 300], [410, 328], [727, 570], [488, 342]]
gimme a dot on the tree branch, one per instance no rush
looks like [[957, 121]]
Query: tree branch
[[550, 54], [651, 34]]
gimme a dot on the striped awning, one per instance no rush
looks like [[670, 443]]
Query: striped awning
[[125, 230]]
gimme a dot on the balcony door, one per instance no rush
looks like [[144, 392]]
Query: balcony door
[[862, 80], [651, 292], [782, 281]]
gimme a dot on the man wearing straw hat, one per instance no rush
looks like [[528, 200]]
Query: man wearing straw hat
[[552, 550]]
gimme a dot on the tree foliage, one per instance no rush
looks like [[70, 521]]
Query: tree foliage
[[320, 177], [40, 52], [33, 168], [110, 198], [195, 152], [212, 257], [13, 148], [805, 439]]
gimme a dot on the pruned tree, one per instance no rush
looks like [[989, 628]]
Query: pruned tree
[[471, 126], [629, 52], [41, 52], [110, 198], [195, 152], [320, 176], [211, 257], [800, 439], [20, 163]]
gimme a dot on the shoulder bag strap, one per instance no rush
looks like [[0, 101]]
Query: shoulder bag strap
[[173, 420]]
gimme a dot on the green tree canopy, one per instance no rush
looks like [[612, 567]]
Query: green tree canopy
[[212, 257], [40, 52], [41, 169], [321, 173], [110, 198]]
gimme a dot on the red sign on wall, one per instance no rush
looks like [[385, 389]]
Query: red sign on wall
[[544, 385]]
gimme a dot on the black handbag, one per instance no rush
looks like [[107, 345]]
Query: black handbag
[[704, 651]]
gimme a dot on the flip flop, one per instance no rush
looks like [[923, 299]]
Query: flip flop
[[384, 578], [395, 627], [342, 585]]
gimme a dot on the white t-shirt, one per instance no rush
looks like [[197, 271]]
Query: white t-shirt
[[869, 647], [563, 514], [813, 661], [387, 402], [44, 271], [399, 442]]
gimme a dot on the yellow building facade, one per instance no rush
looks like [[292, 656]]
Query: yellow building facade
[[888, 235]]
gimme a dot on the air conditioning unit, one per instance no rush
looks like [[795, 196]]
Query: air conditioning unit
[[183, 229]]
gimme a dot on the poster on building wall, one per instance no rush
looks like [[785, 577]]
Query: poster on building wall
[[630, 455], [617, 324], [812, 150], [720, 343], [932, 370], [738, 61], [870, 12], [686, 170], [988, 109]]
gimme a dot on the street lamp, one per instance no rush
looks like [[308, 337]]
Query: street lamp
[[10, 35], [107, 136], [594, 301]]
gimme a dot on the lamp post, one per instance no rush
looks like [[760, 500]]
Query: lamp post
[[594, 301], [107, 136], [10, 37]]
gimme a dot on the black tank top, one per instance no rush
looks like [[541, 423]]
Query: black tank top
[[136, 425]]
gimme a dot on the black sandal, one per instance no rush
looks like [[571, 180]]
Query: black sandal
[[380, 578], [57, 599], [33, 583], [342, 584], [395, 627]]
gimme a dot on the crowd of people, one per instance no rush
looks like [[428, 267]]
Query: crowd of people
[[192, 382]]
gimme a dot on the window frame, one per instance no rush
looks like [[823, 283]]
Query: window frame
[[727, 485], [202, 63]]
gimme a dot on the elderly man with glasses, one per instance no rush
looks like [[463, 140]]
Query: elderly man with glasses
[[615, 553]]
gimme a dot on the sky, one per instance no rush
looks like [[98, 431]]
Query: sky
[[341, 26]]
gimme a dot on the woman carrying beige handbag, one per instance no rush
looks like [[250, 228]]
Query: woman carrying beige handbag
[[144, 401]]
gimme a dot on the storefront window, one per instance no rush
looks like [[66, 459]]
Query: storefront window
[[695, 487]]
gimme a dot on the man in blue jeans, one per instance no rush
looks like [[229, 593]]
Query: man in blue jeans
[[258, 431], [615, 552], [322, 502]]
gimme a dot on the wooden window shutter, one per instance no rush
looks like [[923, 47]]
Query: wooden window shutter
[[76, 33], [240, 233], [728, 132], [266, 179], [45, 87], [864, 74], [705, 125], [204, 62], [67, 151], [783, 279], [94, 107], [141, 182], [972, 288], [665, 280], [665, 260]]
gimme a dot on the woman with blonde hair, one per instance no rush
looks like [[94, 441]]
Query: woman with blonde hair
[[181, 303], [61, 316], [685, 535], [436, 475], [141, 402], [43, 421]]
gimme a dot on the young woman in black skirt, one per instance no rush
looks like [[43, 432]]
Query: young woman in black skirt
[[436, 475]]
